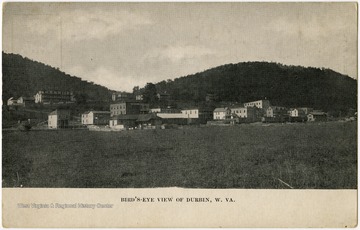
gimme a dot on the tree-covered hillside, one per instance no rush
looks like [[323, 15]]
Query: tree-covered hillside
[[291, 86], [24, 77]]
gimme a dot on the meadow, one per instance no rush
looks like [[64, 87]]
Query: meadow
[[276, 156]]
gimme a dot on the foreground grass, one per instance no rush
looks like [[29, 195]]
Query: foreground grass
[[319, 155]]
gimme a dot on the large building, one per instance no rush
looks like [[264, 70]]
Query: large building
[[58, 119], [261, 104], [95, 118], [54, 96], [129, 107]]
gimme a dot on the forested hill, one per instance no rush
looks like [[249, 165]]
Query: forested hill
[[24, 77], [290, 86]]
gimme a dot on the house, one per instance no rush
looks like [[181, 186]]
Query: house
[[222, 113], [129, 121], [21, 101], [261, 104], [198, 115], [25, 101], [190, 113], [296, 115], [58, 119], [148, 121], [294, 112], [125, 120], [11, 101], [129, 107], [138, 96], [276, 111], [54, 96], [317, 115], [95, 118]]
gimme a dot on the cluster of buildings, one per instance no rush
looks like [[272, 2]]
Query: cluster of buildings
[[21, 101], [44, 97], [262, 110], [127, 113]]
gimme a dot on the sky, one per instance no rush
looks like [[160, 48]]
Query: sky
[[122, 45]]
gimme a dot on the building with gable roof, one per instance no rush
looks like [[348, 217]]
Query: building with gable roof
[[58, 119], [222, 113], [95, 118]]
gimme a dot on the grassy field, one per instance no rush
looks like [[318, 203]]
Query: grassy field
[[304, 156]]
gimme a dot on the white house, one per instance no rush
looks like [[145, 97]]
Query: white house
[[95, 118], [25, 101], [11, 101], [221, 113], [190, 113], [58, 119], [317, 115], [261, 104], [296, 112]]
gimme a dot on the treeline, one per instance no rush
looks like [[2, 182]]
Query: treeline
[[290, 86], [24, 77]]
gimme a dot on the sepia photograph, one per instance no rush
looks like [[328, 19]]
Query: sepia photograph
[[198, 96]]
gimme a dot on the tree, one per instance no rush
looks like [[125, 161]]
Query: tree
[[150, 93], [136, 89]]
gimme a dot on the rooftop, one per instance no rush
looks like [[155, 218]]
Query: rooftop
[[221, 109], [58, 111]]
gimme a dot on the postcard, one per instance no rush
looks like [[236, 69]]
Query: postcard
[[169, 114]]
